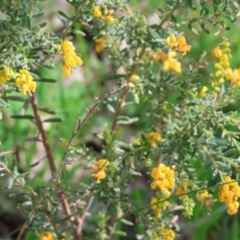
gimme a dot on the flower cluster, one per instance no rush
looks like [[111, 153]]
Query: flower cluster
[[158, 205], [108, 18], [25, 82], [203, 196], [46, 236], [153, 137], [165, 234], [229, 194], [164, 178], [99, 168], [6, 74], [223, 54], [71, 59], [177, 45]]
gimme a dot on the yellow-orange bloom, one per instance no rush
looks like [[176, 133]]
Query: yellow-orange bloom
[[71, 59], [203, 195], [203, 91], [97, 12], [164, 179], [183, 47], [6, 74], [171, 41], [99, 168], [229, 194], [101, 42], [134, 78], [46, 236], [153, 138], [25, 82], [110, 20]]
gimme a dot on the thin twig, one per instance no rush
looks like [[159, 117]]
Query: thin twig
[[133, 70]]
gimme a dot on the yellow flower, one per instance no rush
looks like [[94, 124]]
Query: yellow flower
[[164, 179], [134, 78], [110, 20], [25, 82], [183, 47], [99, 168], [167, 234], [203, 91], [158, 204], [172, 64], [46, 236], [71, 59], [229, 74], [97, 12], [153, 138], [229, 194], [217, 52], [101, 42], [203, 195], [171, 41], [6, 74]]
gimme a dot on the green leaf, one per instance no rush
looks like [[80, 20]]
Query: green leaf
[[63, 14], [46, 110], [110, 108], [16, 98], [189, 2], [10, 182], [29, 23], [120, 233], [27, 203], [29, 117], [3, 104], [53, 120], [124, 120], [16, 195], [42, 25], [126, 222], [47, 80], [204, 28], [31, 236]]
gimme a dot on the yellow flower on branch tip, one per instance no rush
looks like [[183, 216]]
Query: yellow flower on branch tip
[[217, 52], [46, 236], [97, 12], [99, 168], [71, 59], [101, 42], [203, 91], [229, 194], [6, 74], [25, 82], [229, 74], [153, 138], [167, 234], [110, 20], [203, 195], [183, 47], [171, 64], [134, 78], [171, 40]]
